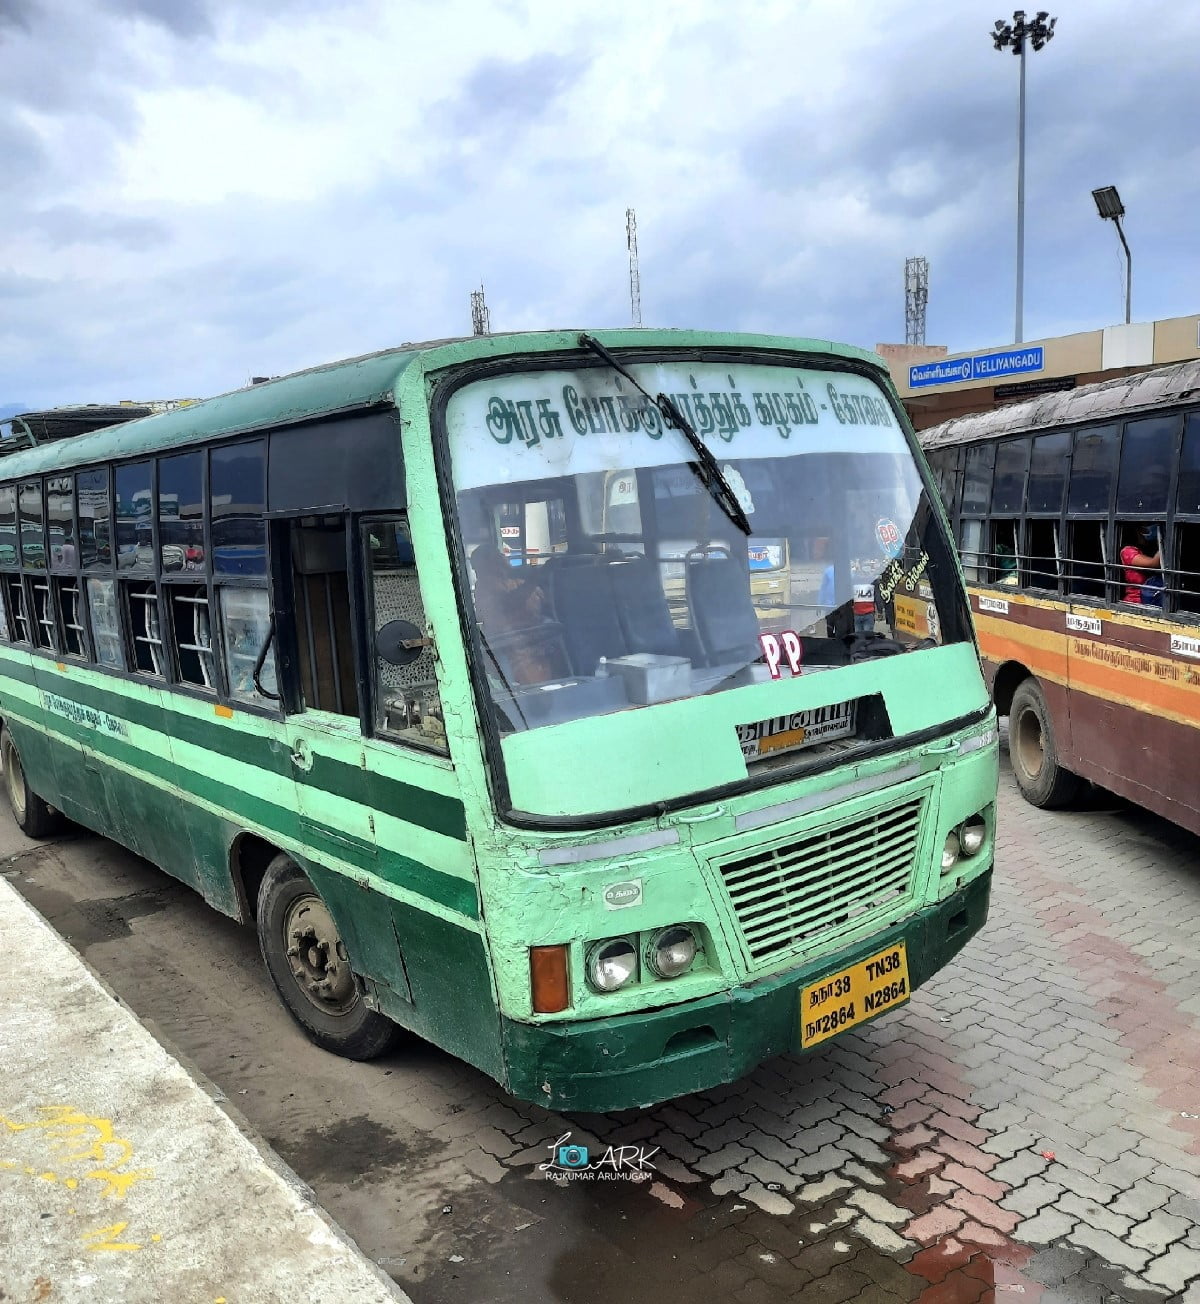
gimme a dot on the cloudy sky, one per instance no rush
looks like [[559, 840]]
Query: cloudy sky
[[202, 190]]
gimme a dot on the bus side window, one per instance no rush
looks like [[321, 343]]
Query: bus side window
[[1043, 504], [1008, 500], [14, 598], [1186, 577], [408, 706], [1087, 564], [977, 492], [321, 593], [1090, 492]]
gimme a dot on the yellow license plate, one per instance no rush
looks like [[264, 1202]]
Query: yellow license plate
[[840, 1000]]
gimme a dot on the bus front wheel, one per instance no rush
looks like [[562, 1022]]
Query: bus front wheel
[[307, 961], [1032, 750], [35, 817]]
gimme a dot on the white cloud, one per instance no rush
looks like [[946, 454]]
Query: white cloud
[[200, 191]]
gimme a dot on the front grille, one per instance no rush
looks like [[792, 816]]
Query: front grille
[[788, 895]]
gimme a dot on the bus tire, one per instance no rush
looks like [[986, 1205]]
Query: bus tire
[[308, 964], [35, 818], [1034, 753]]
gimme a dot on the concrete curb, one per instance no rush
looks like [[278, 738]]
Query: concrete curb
[[125, 1173]]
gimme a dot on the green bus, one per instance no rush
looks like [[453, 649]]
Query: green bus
[[606, 847]]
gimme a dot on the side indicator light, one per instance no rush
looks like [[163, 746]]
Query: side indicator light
[[548, 979]]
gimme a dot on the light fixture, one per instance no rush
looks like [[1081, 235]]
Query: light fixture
[[1109, 206]]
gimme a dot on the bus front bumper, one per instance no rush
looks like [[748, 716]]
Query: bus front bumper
[[635, 1060]]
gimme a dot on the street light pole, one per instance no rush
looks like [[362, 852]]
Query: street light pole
[[1109, 206], [1014, 35]]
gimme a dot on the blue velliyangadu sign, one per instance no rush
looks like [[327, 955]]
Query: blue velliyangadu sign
[[982, 366]]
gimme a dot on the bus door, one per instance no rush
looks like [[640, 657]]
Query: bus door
[[323, 733]]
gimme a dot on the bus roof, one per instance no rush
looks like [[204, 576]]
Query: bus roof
[[1145, 391], [354, 384]]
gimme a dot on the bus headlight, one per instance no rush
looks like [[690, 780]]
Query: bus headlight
[[972, 834], [611, 964], [950, 852], [671, 951]]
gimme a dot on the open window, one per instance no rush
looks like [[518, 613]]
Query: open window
[[1004, 551], [1185, 576], [408, 706], [1185, 579], [1088, 561], [20, 628], [73, 619], [45, 626], [1043, 553], [145, 624], [191, 627], [1093, 467]]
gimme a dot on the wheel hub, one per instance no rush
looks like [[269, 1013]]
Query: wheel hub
[[1031, 748], [317, 957], [15, 777]]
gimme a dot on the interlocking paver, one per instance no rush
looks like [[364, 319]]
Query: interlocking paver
[[1021, 1167], [1046, 1227], [1109, 1247], [1158, 1232], [935, 1224], [879, 1208], [1032, 1196], [1175, 1269]]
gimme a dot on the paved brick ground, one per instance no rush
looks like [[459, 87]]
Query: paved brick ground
[[1028, 1128]]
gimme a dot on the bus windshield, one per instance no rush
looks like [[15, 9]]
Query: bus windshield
[[606, 576]]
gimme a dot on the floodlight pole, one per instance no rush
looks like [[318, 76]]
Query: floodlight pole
[[1014, 36], [1019, 330]]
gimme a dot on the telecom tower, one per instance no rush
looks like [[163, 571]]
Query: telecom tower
[[481, 319], [635, 281], [916, 296]]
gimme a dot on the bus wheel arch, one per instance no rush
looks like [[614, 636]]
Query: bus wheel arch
[[35, 817], [1008, 679], [249, 858], [1033, 750], [310, 968]]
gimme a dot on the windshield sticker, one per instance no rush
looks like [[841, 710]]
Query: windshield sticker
[[912, 616], [889, 536], [895, 577], [733, 478], [789, 733], [777, 646], [567, 422]]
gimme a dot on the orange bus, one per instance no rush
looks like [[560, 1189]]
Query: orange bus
[[1077, 517]]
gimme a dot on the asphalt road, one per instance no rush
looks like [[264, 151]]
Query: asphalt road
[[1027, 1128]]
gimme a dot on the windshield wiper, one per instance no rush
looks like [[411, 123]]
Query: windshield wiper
[[707, 470]]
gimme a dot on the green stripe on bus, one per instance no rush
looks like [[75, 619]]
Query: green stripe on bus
[[430, 810], [455, 893]]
